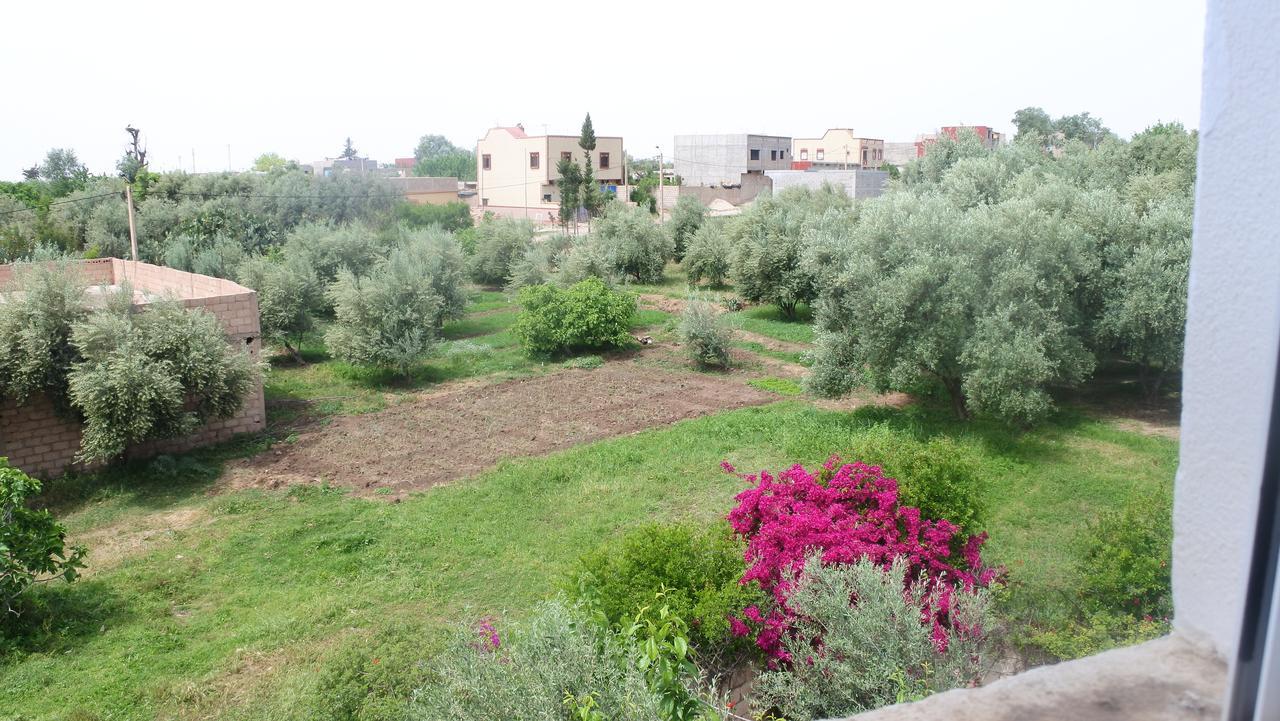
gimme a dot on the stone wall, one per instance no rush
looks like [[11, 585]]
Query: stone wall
[[39, 441]]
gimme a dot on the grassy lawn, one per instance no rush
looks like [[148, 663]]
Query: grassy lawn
[[768, 321], [308, 604]]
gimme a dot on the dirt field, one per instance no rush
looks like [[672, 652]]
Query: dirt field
[[456, 434]]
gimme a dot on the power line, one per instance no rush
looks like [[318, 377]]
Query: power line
[[62, 202]]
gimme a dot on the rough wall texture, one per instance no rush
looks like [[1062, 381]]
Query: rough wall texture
[[1232, 321], [1169, 679], [857, 183], [42, 443]]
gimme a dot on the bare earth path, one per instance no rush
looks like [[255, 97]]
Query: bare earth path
[[452, 435]]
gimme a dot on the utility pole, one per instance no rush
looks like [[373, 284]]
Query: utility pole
[[661, 193], [133, 233]]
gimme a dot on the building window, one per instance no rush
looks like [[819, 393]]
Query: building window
[[804, 153], [755, 153], [864, 156], [604, 161], [484, 201], [535, 161], [546, 197], [773, 155], [566, 155], [820, 154], [485, 162]]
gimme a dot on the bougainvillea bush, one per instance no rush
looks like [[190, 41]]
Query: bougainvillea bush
[[844, 513]]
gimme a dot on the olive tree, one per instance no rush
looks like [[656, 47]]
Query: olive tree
[[289, 295], [634, 246], [500, 244], [982, 301], [688, 215], [769, 241], [387, 318], [707, 255]]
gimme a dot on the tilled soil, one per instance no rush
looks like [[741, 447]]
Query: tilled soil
[[456, 434]]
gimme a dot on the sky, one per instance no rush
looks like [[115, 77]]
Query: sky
[[227, 81]]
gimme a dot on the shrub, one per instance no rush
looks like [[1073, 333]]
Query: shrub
[[440, 259], [1097, 632], [938, 476], [1125, 557], [289, 295], [686, 218], [450, 216], [388, 318], [632, 244], [499, 245], [707, 255], [845, 513], [769, 242], [856, 659], [489, 672], [32, 544], [705, 333], [160, 372], [37, 314], [585, 258], [697, 568], [328, 247], [586, 315]]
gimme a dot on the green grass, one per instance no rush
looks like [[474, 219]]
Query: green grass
[[274, 601], [797, 357], [768, 320], [781, 386]]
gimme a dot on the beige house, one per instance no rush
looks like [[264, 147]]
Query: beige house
[[427, 190], [837, 148], [516, 172]]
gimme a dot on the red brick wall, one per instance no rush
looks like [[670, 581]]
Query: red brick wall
[[41, 443]]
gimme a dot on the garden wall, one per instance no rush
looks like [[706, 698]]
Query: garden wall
[[39, 441]]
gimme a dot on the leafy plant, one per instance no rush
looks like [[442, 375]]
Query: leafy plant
[[781, 386], [707, 255], [158, 372], [559, 652], [499, 245], [32, 544], [289, 296], [1125, 559], [696, 568], [660, 645], [451, 217], [939, 476], [686, 218], [845, 513], [37, 313], [858, 643], [632, 244], [705, 333], [586, 315]]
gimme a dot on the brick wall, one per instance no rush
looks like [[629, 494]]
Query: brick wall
[[41, 443]]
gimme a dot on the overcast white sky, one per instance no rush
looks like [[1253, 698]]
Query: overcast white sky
[[298, 78]]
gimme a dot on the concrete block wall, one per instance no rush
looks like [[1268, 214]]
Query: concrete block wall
[[42, 443]]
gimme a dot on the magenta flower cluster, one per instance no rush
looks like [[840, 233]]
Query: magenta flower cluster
[[487, 636], [845, 512]]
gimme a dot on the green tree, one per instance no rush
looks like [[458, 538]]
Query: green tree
[[1083, 127], [589, 196], [569, 182], [769, 244], [707, 257], [984, 302], [435, 156], [289, 296], [348, 150], [32, 543], [63, 171], [688, 215], [500, 243], [270, 162], [1032, 123], [632, 244]]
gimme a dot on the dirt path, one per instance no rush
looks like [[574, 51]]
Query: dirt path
[[456, 434]]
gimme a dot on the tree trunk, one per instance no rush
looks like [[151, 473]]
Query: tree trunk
[[957, 398]]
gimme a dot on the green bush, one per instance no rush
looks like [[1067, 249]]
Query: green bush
[[32, 544], [938, 476], [632, 244], [37, 313], [707, 255], [525, 673], [499, 245], [586, 315], [387, 319], [452, 217], [686, 218], [289, 295], [705, 333], [699, 568], [879, 654], [1125, 557], [159, 372], [1096, 633], [328, 247]]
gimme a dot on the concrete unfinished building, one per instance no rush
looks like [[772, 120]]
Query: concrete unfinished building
[[722, 160], [41, 442]]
